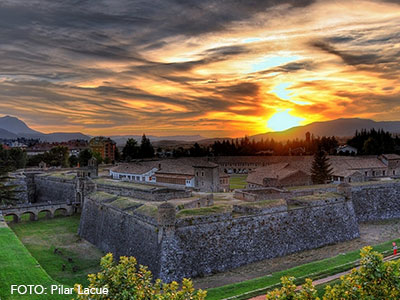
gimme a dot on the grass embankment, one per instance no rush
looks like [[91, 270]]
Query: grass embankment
[[43, 236], [17, 266], [237, 182], [314, 270]]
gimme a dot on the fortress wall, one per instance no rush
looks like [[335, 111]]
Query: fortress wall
[[376, 201], [207, 247], [54, 189], [115, 231], [151, 195], [193, 246]]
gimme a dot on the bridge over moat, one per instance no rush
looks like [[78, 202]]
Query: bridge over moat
[[35, 209]]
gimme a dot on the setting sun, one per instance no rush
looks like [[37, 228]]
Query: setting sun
[[283, 120]]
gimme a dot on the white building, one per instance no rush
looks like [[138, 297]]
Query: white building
[[134, 172]]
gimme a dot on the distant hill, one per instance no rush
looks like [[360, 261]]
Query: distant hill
[[16, 126], [7, 135], [338, 128], [12, 128]]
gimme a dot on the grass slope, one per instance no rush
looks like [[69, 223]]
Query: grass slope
[[17, 266], [237, 182], [314, 270], [43, 236]]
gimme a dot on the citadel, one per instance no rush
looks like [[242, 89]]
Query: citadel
[[180, 231]]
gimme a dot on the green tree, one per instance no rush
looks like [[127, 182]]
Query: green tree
[[117, 155], [7, 190], [374, 280], [18, 157], [288, 291], [57, 156], [127, 280], [321, 170], [73, 161], [84, 157], [130, 150], [146, 148], [98, 157]]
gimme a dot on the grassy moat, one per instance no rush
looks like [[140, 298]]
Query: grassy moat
[[41, 238], [34, 261]]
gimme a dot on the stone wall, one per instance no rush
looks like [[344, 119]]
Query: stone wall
[[176, 247], [112, 230], [218, 244], [377, 201], [193, 246], [156, 194], [54, 189]]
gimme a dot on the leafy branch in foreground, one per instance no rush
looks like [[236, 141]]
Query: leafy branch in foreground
[[375, 279], [127, 280]]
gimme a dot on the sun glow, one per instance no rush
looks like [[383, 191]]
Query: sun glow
[[283, 120]]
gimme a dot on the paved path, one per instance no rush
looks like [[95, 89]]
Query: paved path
[[329, 278]]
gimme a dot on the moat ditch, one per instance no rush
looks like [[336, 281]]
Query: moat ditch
[[371, 233]]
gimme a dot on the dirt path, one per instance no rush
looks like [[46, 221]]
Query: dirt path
[[371, 234], [328, 279]]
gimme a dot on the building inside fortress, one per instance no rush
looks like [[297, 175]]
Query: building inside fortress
[[186, 232]]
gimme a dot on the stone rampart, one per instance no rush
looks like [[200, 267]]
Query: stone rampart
[[191, 246], [376, 201], [121, 233], [61, 189], [228, 242], [155, 194]]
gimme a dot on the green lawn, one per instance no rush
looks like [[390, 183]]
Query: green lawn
[[237, 182], [314, 270], [17, 266], [43, 236]]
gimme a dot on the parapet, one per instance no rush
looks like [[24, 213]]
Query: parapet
[[345, 190], [166, 214]]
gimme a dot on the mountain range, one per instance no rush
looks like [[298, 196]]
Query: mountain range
[[344, 127], [12, 128]]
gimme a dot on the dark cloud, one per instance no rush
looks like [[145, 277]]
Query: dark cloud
[[349, 58], [240, 90], [51, 52]]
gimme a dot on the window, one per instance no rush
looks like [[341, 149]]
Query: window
[[394, 172], [197, 173], [366, 173], [373, 173], [202, 174], [384, 173]]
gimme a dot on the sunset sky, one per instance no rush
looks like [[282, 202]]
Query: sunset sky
[[214, 68]]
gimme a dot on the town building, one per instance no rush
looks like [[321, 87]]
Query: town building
[[392, 162], [104, 146], [296, 171], [179, 173], [138, 172], [281, 175]]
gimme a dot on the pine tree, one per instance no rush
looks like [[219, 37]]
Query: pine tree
[[321, 170], [146, 149], [7, 191], [130, 150]]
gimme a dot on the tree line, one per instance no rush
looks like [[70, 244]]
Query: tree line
[[251, 147], [374, 142]]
